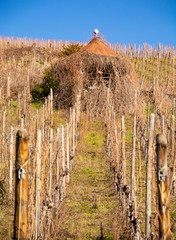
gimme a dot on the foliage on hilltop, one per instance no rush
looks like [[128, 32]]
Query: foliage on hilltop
[[70, 49]]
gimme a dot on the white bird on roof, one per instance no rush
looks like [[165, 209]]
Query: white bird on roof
[[96, 32]]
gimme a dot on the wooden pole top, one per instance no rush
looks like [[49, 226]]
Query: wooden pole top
[[161, 140], [161, 151], [23, 134]]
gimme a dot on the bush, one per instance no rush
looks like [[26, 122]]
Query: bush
[[48, 83], [37, 92], [70, 49], [40, 91]]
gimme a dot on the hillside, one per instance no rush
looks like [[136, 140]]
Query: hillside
[[88, 149]]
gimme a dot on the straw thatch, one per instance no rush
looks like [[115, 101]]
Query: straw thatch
[[91, 70]]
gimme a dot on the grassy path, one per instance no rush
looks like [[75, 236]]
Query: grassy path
[[89, 208]]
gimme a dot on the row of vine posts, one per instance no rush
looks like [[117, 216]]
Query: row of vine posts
[[42, 166], [154, 147]]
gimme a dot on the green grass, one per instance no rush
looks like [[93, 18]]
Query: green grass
[[90, 199], [36, 105]]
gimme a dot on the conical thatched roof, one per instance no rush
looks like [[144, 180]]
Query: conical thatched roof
[[98, 47], [92, 68]]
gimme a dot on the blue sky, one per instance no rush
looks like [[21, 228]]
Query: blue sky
[[124, 21]]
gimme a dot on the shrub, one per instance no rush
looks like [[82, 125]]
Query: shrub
[[37, 92], [70, 49], [40, 91], [48, 82]]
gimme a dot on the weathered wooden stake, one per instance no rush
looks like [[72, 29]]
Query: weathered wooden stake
[[0, 94], [162, 124], [57, 159], [28, 86], [11, 163], [24, 108], [164, 217], [21, 185], [71, 119], [68, 156], [63, 150], [3, 136], [74, 125], [8, 90], [133, 187], [117, 150], [123, 150], [19, 109], [173, 68], [149, 178], [43, 121], [38, 184], [22, 124], [63, 163], [173, 107], [172, 151], [51, 106], [49, 109], [107, 111], [51, 161]]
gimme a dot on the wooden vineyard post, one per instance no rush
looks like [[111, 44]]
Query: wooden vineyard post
[[117, 152], [173, 107], [158, 61], [28, 86], [19, 109], [51, 161], [0, 94], [3, 136], [173, 68], [11, 156], [24, 108], [172, 153], [8, 90], [11, 163], [163, 199], [70, 133], [68, 156], [46, 109], [22, 124], [38, 184], [162, 124], [51, 106], [74, 124], [57, 159], [21, 185], [148, 116], [63, 165], [49, 110], [63, 154], [107, 113], [123, 150], [133, 187], [149, 178], [43, 121]]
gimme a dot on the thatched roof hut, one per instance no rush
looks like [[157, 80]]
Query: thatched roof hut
[[93, 68]]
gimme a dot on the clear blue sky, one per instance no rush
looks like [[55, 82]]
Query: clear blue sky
[[124, 21]]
